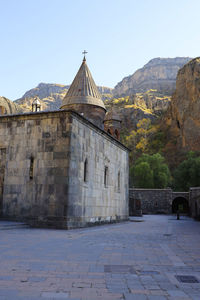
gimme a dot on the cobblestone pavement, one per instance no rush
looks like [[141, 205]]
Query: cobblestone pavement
[[154, 257]]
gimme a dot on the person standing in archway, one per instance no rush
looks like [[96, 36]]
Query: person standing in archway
[[177, 214]]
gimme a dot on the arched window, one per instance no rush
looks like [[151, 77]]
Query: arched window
[[118, 181], [31, 168], [86, 170], [106, 176], [116, 133], [108, 131]]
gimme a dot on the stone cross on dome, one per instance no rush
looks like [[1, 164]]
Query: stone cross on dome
[[84, 53]]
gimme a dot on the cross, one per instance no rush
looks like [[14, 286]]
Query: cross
[[84, 52]]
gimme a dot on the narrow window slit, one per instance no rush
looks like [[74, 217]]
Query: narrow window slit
[[106, 176], [118, 181], [31, 168], [86, 170]]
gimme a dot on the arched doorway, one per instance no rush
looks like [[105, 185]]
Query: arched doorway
[[181, 204]]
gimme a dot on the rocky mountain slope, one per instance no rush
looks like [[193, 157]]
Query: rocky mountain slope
[[131, 109], [158, 73], [51, 95], [182, 121]]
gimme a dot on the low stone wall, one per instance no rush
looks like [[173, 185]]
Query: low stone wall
[[154, 201], [150, 201]]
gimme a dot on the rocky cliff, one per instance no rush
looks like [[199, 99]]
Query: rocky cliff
[[158, 73], [182, 121], [132, 109], [44, 90], [151, 100]]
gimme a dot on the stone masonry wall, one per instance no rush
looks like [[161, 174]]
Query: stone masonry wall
[[37, 161], [194, 202], [92, 201], [151, 200]]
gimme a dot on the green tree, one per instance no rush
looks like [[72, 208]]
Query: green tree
[[150, 171], [157, 141], [187, 173], [143, 175]]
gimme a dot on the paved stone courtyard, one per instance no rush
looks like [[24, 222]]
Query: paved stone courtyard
[[154, 257]]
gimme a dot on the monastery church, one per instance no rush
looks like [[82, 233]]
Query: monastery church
[[64, 168]]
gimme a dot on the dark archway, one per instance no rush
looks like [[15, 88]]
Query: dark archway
[[108, 131], [117, 134], [181, 204]]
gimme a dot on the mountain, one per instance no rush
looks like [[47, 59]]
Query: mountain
[[51, 95], [158, 73], [44, 90], [182, 121]]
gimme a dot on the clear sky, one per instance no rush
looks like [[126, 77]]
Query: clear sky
[[43, 40]]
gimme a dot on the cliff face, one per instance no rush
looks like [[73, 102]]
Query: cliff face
[[131, 109], [158, 73], [183, 116], [152, 100], [44, 90]]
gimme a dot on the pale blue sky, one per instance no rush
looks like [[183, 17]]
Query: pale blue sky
[[42, 40]]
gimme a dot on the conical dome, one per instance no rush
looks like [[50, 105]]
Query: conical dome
[[83, 89], [84, 97]]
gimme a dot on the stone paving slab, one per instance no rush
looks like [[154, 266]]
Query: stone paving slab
[[132, 260]]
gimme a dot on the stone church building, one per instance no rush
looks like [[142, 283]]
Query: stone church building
[[65, 168]]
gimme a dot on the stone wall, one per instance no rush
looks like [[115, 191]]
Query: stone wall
[[150, 200], [42, 166], [194, 202], [37, 161], [94, 200], [161, 200]]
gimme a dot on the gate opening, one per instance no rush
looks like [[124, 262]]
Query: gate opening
[[181, 204]]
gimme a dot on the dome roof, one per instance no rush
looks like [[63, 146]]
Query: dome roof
[[10, 107], [83, 89], [112, 115]]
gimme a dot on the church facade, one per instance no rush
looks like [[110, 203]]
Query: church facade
[[61, 168]]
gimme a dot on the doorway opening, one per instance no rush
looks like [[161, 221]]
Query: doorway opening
[[180, 204]]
